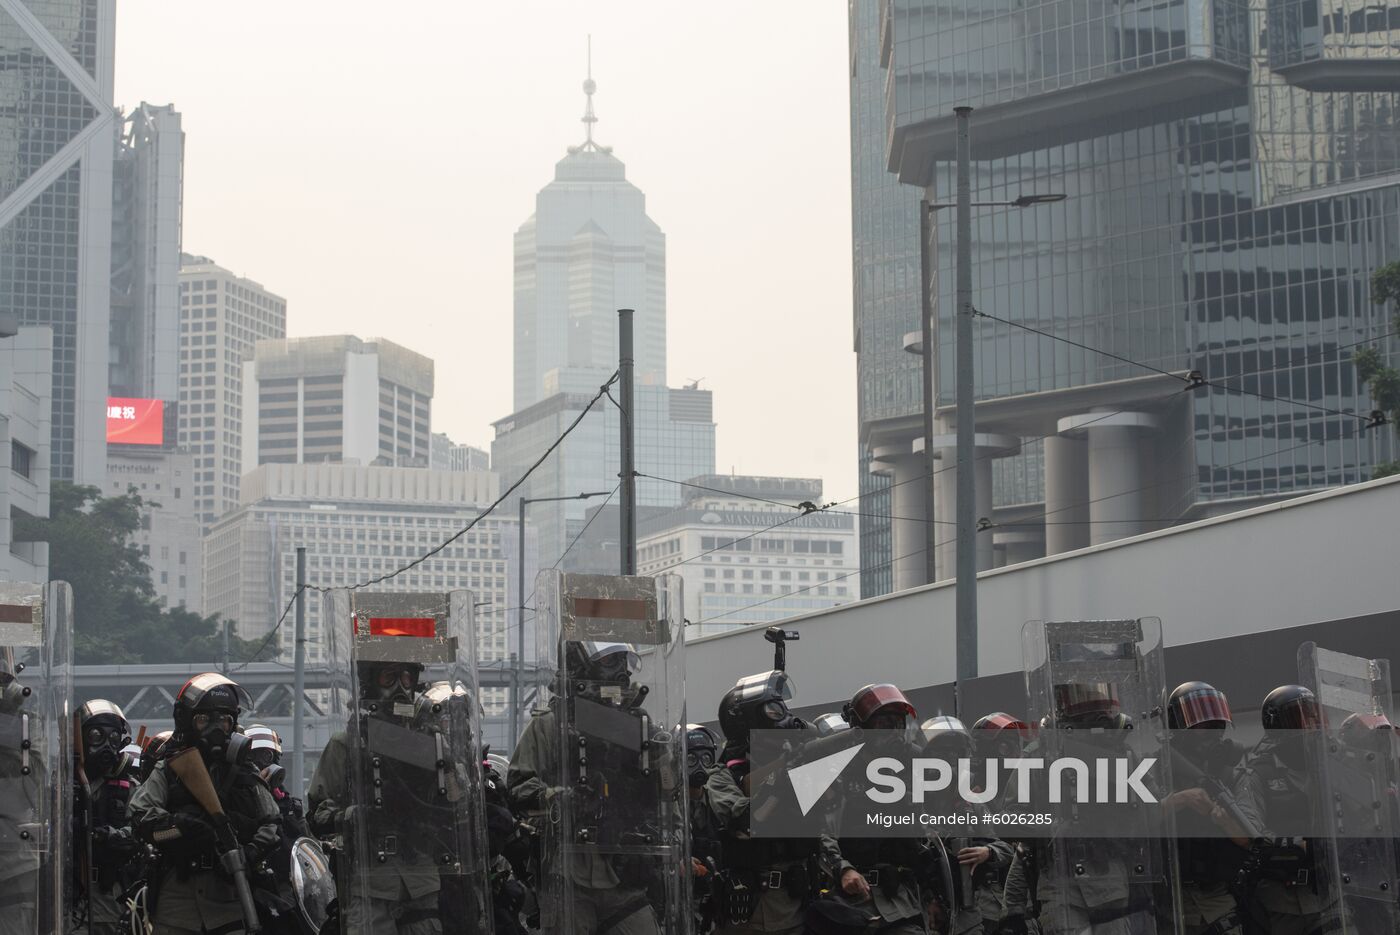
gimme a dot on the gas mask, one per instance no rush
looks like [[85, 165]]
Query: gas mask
[[776, 715], [391, 684], [103, 740]]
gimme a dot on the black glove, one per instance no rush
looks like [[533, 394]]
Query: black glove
[[116, 841]]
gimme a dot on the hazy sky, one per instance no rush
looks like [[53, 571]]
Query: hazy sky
[[371, 162]]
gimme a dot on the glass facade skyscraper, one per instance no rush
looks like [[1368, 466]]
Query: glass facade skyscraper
[[1224, 212], [56, 133]]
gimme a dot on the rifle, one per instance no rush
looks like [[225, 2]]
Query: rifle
[[1218, 793], [189, 766]]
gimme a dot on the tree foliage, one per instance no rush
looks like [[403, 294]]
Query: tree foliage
[[116, 617], [1382, 380]]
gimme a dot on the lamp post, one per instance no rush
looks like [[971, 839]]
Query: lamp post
[[519, 680], [965, 589]]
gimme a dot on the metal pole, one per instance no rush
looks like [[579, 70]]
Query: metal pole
[[628, 474], [966, 588], [226, 623], [519, 633], [926, 325], [299, 681]]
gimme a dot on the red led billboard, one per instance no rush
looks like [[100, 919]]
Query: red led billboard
[[135, 421]]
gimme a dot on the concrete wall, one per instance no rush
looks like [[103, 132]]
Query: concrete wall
[[1223, 584]]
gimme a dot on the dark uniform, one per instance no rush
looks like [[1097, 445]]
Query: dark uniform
[[188, 892], [706, 851], [117, 858]]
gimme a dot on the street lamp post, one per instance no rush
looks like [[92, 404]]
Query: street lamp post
[[517, 689], [965, 589]]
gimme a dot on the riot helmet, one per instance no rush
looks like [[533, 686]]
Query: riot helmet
[[206, 712], [105, 734], [1089, 706], [946, 738], [1369, 732], [831, 723], [757, 702], [701, 753], [600, 670], [1000, 735], [879, 707], [1290, 707], [266, 746], [132, 754], [1198, 706]]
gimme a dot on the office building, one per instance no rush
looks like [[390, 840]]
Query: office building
[[675, 439], [1230, 188], [744, 559], [221, 317], [336, 398], [588, 250], [170, 537], [56, 129], [357, 523], [147, 200], [447, 455], [26, 374]]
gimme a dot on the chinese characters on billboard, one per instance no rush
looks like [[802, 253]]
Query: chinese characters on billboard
[[135, 421]]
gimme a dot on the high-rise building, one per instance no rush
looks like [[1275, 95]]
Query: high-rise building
[[885, 278], [170, 537], [56, 127], [358, 523], [588, 250], [447, 455], [26, 375], [1230, 189], [147, 201], [675, 435], [336, 398], [221, 317], [743, 556]]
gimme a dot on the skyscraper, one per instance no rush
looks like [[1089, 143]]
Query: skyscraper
[[885, 275], [221, 317], [1229, 192], [147, 201], [336, 398], [588, 250], [56, 127]]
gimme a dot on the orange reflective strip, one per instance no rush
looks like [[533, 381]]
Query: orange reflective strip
[[425, 627]]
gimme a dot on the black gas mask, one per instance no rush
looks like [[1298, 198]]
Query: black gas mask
[[103, 739], [386, 684], [701, 753]]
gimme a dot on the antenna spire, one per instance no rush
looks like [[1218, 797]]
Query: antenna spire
[[589, 117]]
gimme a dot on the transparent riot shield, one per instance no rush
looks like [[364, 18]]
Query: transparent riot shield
[[37, 876], [405, 775], [605, 761], [1096, 689], [1355, 770]]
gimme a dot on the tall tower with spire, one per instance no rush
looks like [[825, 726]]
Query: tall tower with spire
[[588, 250]]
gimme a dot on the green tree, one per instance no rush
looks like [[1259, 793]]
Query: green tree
[[116, 617], [1382, 380]]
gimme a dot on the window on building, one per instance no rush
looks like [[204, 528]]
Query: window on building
[[21, 459]]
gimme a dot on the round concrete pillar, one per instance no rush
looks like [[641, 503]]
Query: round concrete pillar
[[1066, 494], [989, 447], [1115, 471], [908, 512]]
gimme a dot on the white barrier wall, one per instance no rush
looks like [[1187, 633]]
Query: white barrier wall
[[1316, 558]]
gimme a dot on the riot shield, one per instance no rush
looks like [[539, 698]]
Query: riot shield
[[406, 771], [608, 755], [1096, 688], [1354, 768], [312, 883], [37, 876]]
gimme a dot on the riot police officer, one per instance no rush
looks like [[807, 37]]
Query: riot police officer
[[1198, 715], [767, 882], [402, 895], [879, 875], [1277, 788], [112, 852], [706, 852], [606, 901], [195, 885], [273, 878], [1006, 902], [973, 868]]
